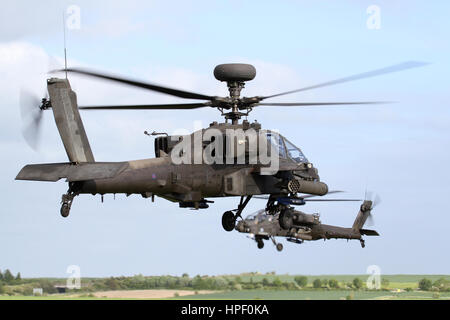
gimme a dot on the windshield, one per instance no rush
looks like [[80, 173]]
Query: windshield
[[255, 215], [277, 142], [294, 153]]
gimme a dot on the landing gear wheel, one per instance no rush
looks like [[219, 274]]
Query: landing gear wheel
[[279, 246], [260, 244], [228, 221], [285, 219], [65, 210], [66, 202], [363, 244]]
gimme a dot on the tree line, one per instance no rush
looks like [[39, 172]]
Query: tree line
[[10, 284], [8, 278], [441, 284]]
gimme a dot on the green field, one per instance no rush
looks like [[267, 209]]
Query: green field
[[246, 286], [400, 281], [314, 295], [272, 295], [50, 297]]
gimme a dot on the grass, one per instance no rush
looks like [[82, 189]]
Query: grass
[[306, 294], [395, 282], [401, 281], [50, 297], [270, 295], [313, 295]]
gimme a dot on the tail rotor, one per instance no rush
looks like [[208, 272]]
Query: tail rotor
[[31, 108], [374, 200]]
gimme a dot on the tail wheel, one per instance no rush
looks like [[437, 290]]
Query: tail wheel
[[228, 221], [260, 244], [285, 219], [363, 243], [65, 210], [279, 246]]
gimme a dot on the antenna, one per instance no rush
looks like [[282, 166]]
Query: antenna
[[65, 50]]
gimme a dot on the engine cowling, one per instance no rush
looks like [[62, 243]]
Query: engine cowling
[[290, 218], [303, 218]]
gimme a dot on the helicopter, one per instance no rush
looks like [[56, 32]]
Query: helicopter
[[178, 173], [297, 226]]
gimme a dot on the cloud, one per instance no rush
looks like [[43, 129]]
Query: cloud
[[23, 66]]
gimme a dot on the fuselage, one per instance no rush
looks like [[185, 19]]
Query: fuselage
[[264, 225], [193, 181], [160, 176]]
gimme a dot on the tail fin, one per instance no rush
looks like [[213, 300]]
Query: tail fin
[[362, 216], [68, 121]]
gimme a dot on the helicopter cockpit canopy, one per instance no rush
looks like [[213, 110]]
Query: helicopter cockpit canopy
[[255, 215], [294, 152], [259, 216], [286, 148]]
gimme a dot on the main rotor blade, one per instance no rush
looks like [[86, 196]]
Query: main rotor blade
[[261, 197], [144, 85], [314, 195], [177, 106], [305, 104], [370, 74], [333, 200], [264, 197]]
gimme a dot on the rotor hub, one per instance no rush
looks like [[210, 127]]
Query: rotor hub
[[235, 75]]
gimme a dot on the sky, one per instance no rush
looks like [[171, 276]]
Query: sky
[[399, 150]]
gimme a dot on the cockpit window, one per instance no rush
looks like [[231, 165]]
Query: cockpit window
[[294, 153], [276, 140], [255, 215]]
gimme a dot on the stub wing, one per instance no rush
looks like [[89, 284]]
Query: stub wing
[[72, 172]]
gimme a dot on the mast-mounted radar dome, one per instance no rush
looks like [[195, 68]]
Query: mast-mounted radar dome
[[231, 72]]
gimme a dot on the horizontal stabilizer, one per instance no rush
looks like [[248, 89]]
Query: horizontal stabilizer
[[72, 172], [368, 232]]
